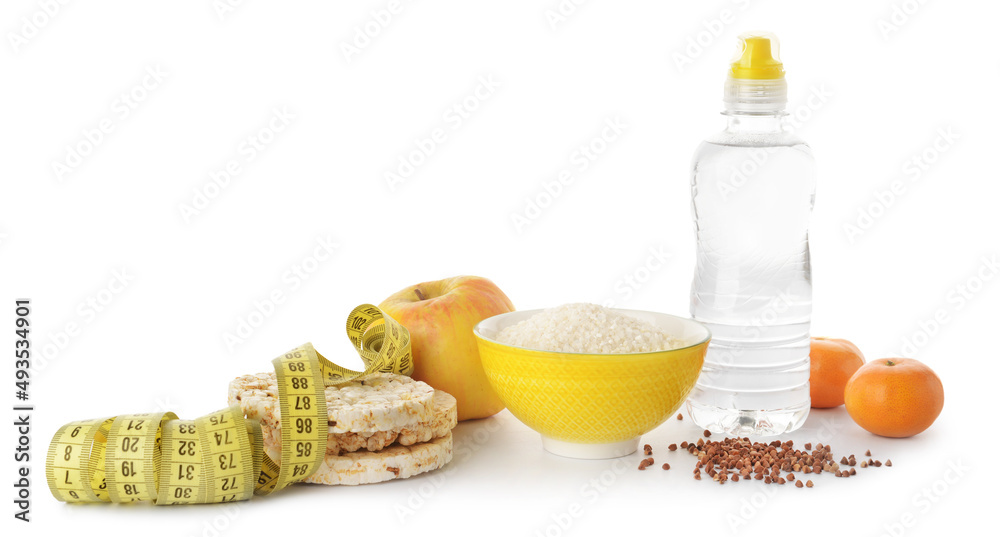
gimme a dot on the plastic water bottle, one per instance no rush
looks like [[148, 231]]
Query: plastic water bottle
[[753, 186]]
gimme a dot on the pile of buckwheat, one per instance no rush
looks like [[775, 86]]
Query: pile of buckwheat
[[777, 462]]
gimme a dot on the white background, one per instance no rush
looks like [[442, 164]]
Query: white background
[[885, 86]]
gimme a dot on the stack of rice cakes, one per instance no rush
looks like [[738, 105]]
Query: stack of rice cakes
[[382, 427]]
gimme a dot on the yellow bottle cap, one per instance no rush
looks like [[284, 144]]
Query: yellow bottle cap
[[758, 58]]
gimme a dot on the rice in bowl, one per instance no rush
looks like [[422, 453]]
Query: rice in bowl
[[587, 328]]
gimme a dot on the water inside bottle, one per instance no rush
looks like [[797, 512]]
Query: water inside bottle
[[752, 286]]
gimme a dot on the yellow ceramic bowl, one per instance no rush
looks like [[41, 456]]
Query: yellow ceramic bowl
[[593, 406]]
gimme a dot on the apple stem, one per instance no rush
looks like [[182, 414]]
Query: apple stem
[[420, 296]]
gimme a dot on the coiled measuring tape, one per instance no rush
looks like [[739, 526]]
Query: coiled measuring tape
[[220, 456]]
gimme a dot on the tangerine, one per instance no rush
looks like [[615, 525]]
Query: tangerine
[[894, 397], [831, 364]]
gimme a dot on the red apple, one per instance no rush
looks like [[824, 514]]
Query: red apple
[[440, 317]]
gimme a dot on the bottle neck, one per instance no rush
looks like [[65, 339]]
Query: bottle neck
[[755, 122]]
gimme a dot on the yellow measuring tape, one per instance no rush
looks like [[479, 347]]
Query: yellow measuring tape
[[220, 457]]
